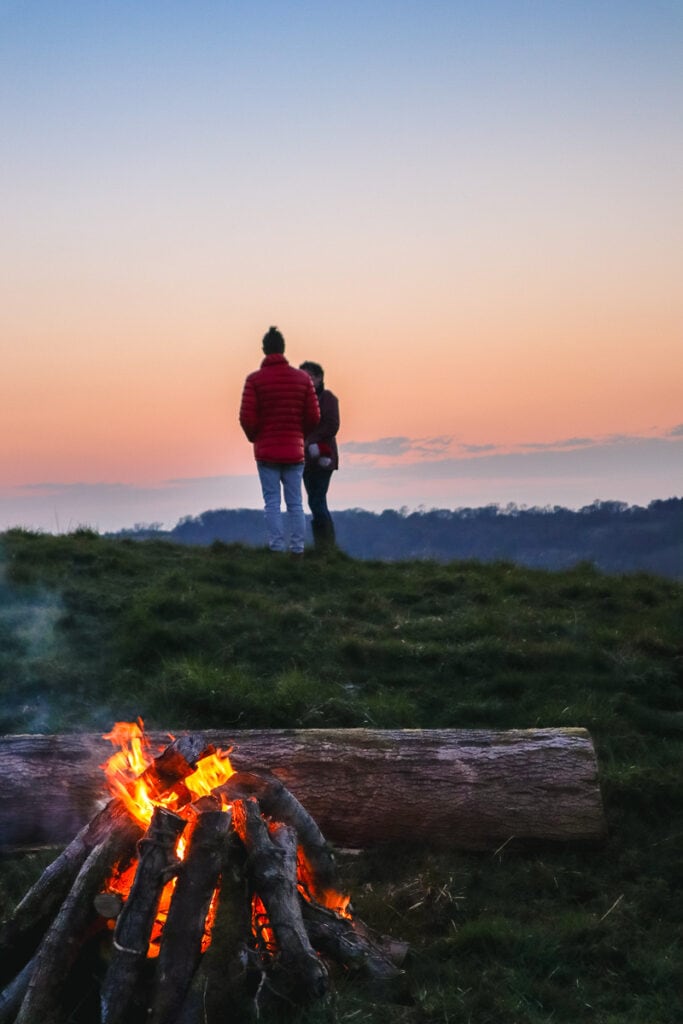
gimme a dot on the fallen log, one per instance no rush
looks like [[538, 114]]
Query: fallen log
[[484, 786]]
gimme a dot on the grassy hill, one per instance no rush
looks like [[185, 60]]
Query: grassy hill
[[94, 630]]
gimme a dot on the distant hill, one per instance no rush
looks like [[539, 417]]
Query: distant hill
[[614, 536]]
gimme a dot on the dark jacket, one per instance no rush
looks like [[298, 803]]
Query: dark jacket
[[279, 408], [325, 433]]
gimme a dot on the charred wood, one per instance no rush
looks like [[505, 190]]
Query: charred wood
[[112, 830], [297, 972], [175, 762], [184, 928], [342, 941], [61, 945], [13, 995], [221, 980], [156, 866], [316, 859]]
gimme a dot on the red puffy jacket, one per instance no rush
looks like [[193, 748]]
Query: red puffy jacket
[[279, 408]]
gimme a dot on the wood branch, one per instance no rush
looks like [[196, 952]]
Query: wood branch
[[114, 831], [157, 864], [221, 978], [317, 865], [342, 941], [185, 924], [13, 995], [176, 761], [271, 867], [62, 943], [485, 786]]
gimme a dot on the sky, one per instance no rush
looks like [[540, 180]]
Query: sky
[[470, 214]]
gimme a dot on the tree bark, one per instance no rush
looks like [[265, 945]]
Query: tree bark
[[484, 786]]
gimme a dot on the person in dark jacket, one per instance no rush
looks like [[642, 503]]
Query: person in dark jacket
[[279, 409], [322, 457]]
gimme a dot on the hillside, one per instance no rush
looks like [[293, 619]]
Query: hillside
[[613, 536], [94, 629]]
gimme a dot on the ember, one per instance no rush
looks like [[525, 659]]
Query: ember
[[197, 891]]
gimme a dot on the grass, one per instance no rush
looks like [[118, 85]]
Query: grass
[[95, 630]]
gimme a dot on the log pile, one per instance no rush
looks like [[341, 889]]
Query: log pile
[[120, 929]]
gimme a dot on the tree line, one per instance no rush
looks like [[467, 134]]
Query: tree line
[[614, 536]]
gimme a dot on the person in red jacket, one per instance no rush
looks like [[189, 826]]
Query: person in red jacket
[[279, 408], [322, 457]]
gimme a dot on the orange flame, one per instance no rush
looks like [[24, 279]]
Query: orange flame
[[261, 927], [125, 769], [125, 773]]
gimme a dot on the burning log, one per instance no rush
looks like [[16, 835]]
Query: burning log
[[485, 786], [157, 865], [221, 977], [350, 944], [184, 928], [272, 871], [316, 858]]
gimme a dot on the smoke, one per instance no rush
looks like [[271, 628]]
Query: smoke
[[29, 642]]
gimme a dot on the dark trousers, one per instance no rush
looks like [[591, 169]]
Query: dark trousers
[[316, 482]]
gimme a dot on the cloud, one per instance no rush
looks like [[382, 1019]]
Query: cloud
[[478, 449], [676, 431], [398, 447], [570, 442], [380, 446], [653, 456]]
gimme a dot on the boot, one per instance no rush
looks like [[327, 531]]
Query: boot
[[323, 534]]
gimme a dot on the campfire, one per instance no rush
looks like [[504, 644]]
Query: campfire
[[195, 893]]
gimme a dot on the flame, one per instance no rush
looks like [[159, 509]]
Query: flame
[[212, 771], [338, 902], [125, 770], [260, 926]]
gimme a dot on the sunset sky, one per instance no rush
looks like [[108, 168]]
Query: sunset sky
[[470, 213]]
